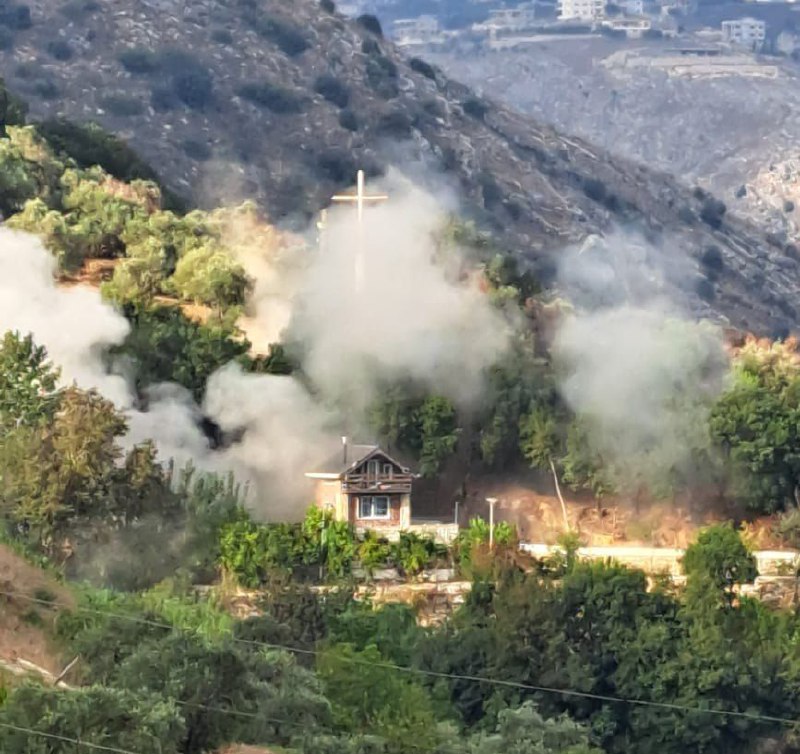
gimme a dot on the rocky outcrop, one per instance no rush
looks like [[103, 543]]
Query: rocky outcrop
[[282, 102]]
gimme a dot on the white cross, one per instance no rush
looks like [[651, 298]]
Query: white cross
[[360, 198]]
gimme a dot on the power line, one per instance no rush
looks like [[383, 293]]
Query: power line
[[66, 739], [441, 675]]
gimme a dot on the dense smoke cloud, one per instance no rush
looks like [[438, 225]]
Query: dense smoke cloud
[[639, 372], [408, 319]]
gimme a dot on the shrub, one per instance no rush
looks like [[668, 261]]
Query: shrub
[[73, 9], [382, 76], [348, 120], [371, 47], [685, 215], [222, 36], [6, 39], [289, 39], [788, 206], [332, 90], [15, 16], [163, 99], [712, 259], [712, 212], [59, 49], [337, 167], [139, 61], [194, 87], [475, 108], [704, 288], [420, 66], [328, 6], [371, 24], [197, 150], [121, 106], [45, 88], [595, 189], [396, 124], [271, 97]]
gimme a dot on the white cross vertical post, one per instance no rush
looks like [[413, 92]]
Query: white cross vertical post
[[360, 199]]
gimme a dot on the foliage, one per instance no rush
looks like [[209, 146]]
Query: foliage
[[333, 90], [127, 720], [165, 346], [28, 395], [720, 556], [271, 97], [209, 275]]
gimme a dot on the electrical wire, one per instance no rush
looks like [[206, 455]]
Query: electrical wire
[[66, 739]]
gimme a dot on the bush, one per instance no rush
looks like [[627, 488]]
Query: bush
[[46, 89], [59, 49], [348, 120], [595, 189], [420, 66], [197, 150], [337, 167], [163, 99], [271, 97], [222, 37], [371, 24], [15, 16], [475, 108], [712, 212], [396, 124], [121, 106], [371, 47], [6, 39], [289, 39], [712, 259], [788, 206], [704, 288], [194, 87], [139, 61], [332, 90], [382, 76], [328, 6], [74, 9]]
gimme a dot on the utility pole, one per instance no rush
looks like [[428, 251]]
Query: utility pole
[[360, 199], [492, 502]]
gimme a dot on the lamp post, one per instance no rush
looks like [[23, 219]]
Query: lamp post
[[492, 501]]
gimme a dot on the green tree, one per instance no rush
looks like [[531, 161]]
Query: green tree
[[720, 555], [105, 717], [438, 433], [28, 380]]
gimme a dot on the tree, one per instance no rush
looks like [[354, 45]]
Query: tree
[[439, 431], [366, 697], [720, 556], [105, 717], [28, 394], [209, 275]]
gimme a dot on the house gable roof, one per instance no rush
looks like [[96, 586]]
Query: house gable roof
[[335, 465]]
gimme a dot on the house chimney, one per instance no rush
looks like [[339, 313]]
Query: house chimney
[[344, 450]]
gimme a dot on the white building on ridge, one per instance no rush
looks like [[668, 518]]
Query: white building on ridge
[[745, 32], [415, 31], [581, 10]]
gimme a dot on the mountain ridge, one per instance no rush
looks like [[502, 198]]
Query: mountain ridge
[[283, 104]]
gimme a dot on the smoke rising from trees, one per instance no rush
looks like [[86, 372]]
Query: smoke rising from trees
[[639, 373], [409, 320]]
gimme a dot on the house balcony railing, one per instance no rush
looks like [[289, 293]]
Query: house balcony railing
[[397, 483]]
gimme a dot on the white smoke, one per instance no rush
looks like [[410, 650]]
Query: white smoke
[[408, 319], [405, 316], [639, 371]]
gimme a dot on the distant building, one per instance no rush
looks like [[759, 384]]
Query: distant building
[[633, 27], [581, 10], [407, 32], [510, 19], [745, 32], [632, 7]]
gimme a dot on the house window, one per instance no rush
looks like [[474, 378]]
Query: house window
[[387, 470], [373, 469], [373, 507]]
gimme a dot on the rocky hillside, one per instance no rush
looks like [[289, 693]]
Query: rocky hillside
[[283, 101]]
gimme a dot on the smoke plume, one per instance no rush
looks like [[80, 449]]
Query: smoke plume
[[406, 319], [639, 372]]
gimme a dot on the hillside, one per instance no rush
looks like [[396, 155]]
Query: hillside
[[313, 97]]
